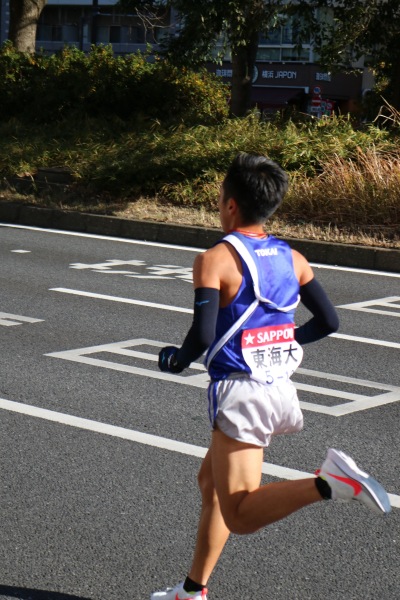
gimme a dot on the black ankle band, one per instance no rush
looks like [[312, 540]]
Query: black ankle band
[[192, 586], [323, 488]]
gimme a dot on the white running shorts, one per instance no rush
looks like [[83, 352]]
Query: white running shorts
[[250, 411]]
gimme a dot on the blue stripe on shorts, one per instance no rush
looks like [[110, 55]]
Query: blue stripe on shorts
[[212, 401]]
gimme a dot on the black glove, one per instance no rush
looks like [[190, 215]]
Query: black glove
[[167, 360]]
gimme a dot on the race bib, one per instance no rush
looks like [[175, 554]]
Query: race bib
[[272, 353]]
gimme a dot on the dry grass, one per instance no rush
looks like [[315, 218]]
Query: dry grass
[[153, 210], [156, 209], [363, 191]]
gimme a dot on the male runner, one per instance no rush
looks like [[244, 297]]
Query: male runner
[[247, 288]]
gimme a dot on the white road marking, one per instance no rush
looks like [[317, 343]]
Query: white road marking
[[123, 433], [21, 251], [123, 300], [386, 303], [386, 394], [146, 438], [9, 320], [342, 336], [96, 236], [154, 271], [355, 270], [372, 341], [108, 265], [176, 247]]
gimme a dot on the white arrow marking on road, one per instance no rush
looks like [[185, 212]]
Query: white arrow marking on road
[[387, 303], [9, 320], [146, 438]]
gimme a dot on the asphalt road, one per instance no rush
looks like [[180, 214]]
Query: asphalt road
[[99, 451]]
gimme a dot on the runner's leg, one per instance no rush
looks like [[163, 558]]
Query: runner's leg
[[212, 532], [245, 505]]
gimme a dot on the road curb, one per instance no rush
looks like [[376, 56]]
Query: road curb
[[364, 257]]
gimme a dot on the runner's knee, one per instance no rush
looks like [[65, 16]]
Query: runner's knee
[[235, 518], [236, 524]]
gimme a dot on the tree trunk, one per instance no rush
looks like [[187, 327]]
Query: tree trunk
[[243, 63], [24, 16]]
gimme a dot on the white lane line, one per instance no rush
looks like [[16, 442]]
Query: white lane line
[[342, 336], [176, 247], [356, 338], [123, 300], [104, 237], [145, 438], [355, 270]]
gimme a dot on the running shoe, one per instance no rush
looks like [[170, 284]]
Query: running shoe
[[178, 593], [348, 482]]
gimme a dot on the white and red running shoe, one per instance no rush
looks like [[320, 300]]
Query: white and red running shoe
[[178, 593], [348, 482]]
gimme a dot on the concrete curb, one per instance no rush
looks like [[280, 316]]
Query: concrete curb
[[363, 257]]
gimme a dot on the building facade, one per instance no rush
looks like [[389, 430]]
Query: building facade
[[301, 86], [4, 19], [284, 76]]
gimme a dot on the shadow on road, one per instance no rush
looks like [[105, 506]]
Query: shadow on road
[[29, 594]]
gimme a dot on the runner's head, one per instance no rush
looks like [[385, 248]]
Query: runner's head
[[257, 184]]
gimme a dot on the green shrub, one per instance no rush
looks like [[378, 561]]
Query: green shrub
[[70, 84], [16, 75]]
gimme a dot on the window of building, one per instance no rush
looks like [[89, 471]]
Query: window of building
[[273, 37], [133, 34], [59, 24], [269, 54], [49, 33], [280, 45], [115, 34], [124, 34], [295, 54]]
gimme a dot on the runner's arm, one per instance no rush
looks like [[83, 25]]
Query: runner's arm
[[202, 331], [325, 319], [205, 312], [199, 336]]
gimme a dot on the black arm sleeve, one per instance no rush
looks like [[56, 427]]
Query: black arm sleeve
[[202, 331], [325, 319]]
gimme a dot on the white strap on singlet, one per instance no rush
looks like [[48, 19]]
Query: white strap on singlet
[[248, 259], [231, 332]]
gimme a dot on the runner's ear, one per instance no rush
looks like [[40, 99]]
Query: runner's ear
[[233, 206]]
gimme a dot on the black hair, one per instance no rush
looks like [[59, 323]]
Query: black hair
[[258, 185]]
